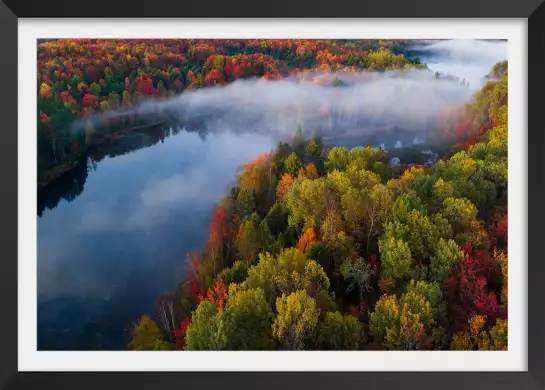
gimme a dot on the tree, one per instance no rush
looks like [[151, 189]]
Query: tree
[[306, 240], [237, 273], [339, 332], [217, 294], [377, 210], [309, 171], [245, 203], [298, 140], [433, 293], [306, 202], [406, 324], [283, 186], [404, 204], [476, 337], [288, 272], [358, 273], [95, 89], [313, 149], [147, 336], [447, 255], [459, 212], [180, 333], [337, 159], [396, 257], [219, 228], [277, 219], [502, 260], [248, 242], [243, 325], [292, 164], [247, 320], [296, 320]]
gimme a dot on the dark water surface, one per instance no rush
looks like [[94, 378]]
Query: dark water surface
[[104, 257]]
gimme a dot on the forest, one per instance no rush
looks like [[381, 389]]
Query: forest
[[78, 79], [320, 247]]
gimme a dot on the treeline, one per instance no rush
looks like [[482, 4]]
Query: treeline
[[82, 77], [488, 109], [318, 248]]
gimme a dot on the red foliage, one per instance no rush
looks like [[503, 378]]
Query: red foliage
[[89, 100], [180, 333], [194, 293], [468, 288], [498, 231], [217, 294], [306, 240], [144, 85], [462, 128], [177, 84], [375, 263], [65, 96], [219, 227], [214, 77], [44, 118], [228, 69]]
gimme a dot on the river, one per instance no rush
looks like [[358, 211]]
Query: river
[[104, 257]]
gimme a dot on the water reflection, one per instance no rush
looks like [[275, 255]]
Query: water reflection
[[107, 252]]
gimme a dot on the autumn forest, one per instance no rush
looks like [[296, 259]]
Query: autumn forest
[[322, 239]]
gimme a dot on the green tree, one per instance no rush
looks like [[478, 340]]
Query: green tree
[[337, 159], [247, 320], [203, 333], [405, 324], [447, 254], [245, 204], [339, 332], [299, 140], [147, 336], [248, 240], [237, 273], [358, 273], [291, 270], [245, 323], [434, 295], [277, 219], [292, 164], [459, 212], [296, 320], [396, 257], [313, 149], [95, 89], [442, 190], [404, 204], [377, 210], [306, 202]]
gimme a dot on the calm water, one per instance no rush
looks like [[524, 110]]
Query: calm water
[[104, 257]]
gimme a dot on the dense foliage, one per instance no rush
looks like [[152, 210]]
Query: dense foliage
[[81, 77], [318, 248]]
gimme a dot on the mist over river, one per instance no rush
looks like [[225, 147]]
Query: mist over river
[[114, 232]]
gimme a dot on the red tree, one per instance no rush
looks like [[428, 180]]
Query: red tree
[[180, 333], [468, 289], [219, 228], [89, 100]]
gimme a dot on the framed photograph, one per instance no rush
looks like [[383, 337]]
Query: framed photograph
[[315, 196]]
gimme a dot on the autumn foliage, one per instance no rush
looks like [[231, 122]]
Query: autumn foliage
[[306, 240], [283, 186], [217, 294], [180, 333]]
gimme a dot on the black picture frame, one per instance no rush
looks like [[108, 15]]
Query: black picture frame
[[11, 10]]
